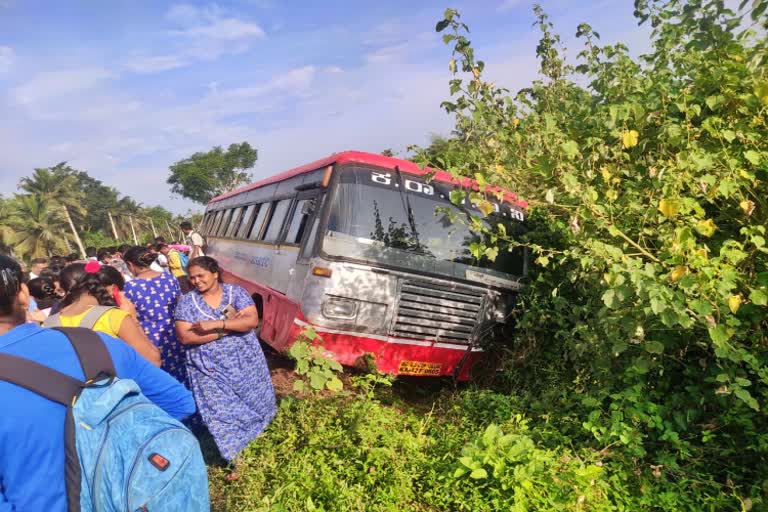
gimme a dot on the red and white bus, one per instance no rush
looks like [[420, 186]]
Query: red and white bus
[[360, 247]]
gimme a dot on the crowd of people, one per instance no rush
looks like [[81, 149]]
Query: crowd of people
[[165, 307]]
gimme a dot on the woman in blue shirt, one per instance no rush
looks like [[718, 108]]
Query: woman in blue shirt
[[32, 427]]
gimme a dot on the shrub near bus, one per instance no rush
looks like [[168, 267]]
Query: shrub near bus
[[361, 248]]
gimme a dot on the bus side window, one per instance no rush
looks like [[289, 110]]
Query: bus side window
[[225, 222], [298, 222], [245, 223], [234, 225], [275, 221], [258, 221], [216, 222]]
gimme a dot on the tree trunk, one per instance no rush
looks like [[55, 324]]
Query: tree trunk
[[133, 230], [170, 231], [152, 224], [74, 232], [69, 246], [114, 229]]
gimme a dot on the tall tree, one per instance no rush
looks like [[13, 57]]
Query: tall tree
[[57, 189], [38, 230], [203, 176]]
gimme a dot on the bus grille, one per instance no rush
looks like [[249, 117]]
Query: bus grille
[[432, 312]]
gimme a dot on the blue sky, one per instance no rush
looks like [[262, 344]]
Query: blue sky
[[124, 88]]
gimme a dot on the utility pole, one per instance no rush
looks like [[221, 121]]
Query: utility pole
[[112, 223], [74, 231], [133, 230], [170, 231]]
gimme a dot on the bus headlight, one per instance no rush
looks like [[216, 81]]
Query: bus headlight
[[336, 307]]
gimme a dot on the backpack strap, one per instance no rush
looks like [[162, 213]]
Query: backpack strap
[[88, 321], [52, 321], [91, 351], [93, 315], [40, 379]]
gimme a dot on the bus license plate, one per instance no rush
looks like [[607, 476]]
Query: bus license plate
[[419, 368]]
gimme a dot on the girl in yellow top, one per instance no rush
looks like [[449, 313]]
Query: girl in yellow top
[[92, 284]]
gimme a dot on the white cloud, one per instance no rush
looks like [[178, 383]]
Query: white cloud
[[387, 53], [225, 29], [508, 5], [206, 32], [295, 81], [154, 64], [51, 84], [7, 58], [333, 69]]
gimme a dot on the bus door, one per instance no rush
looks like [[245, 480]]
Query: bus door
[[303, 231]]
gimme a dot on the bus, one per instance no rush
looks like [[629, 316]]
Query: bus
[[362, 249]]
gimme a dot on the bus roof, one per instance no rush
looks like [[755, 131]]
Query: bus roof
[[360, 157]]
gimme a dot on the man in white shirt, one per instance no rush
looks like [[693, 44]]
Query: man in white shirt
[[194, 240], [36, 267]]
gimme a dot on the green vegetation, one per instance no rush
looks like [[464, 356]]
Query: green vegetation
[[636, 378], [203, 176], [61, 210]]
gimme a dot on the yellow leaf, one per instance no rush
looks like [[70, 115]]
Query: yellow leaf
[[669, 207], [761, 91], [516, 122], [747, 206], [734, 303], [452, 65], [486, 207], [706, 227], [679, 272], [629, 138], [606, 173]]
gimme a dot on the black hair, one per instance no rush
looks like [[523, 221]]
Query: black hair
[[160, 245], [38, 261], [123, 248], [11, 278], [90, 252], [76, 282], [206, 263], [139, 256], [43, 289], [72, 257], [159, 240], [185, 225]]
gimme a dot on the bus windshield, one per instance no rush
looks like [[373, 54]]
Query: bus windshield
[[401, 220]]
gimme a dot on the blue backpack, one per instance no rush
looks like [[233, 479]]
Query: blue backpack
[[122, 452], [184, 260]]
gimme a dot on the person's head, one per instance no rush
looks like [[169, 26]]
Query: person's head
[[54, 273], [90, 252], [14, 294], [123, 249], [43, 289], [103, 255], [159, 240], [57, 261], [71, 258], [138, 259], [92, 278], [186, 227], [204, 273], [37, 265], [162, 248]]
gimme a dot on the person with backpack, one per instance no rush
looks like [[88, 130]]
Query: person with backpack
[[177, 263], [94, 300], [194, 239], [49, 450]]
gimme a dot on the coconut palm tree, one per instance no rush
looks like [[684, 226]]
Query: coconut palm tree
[[37, 229], [6, 229], [57, 190]]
